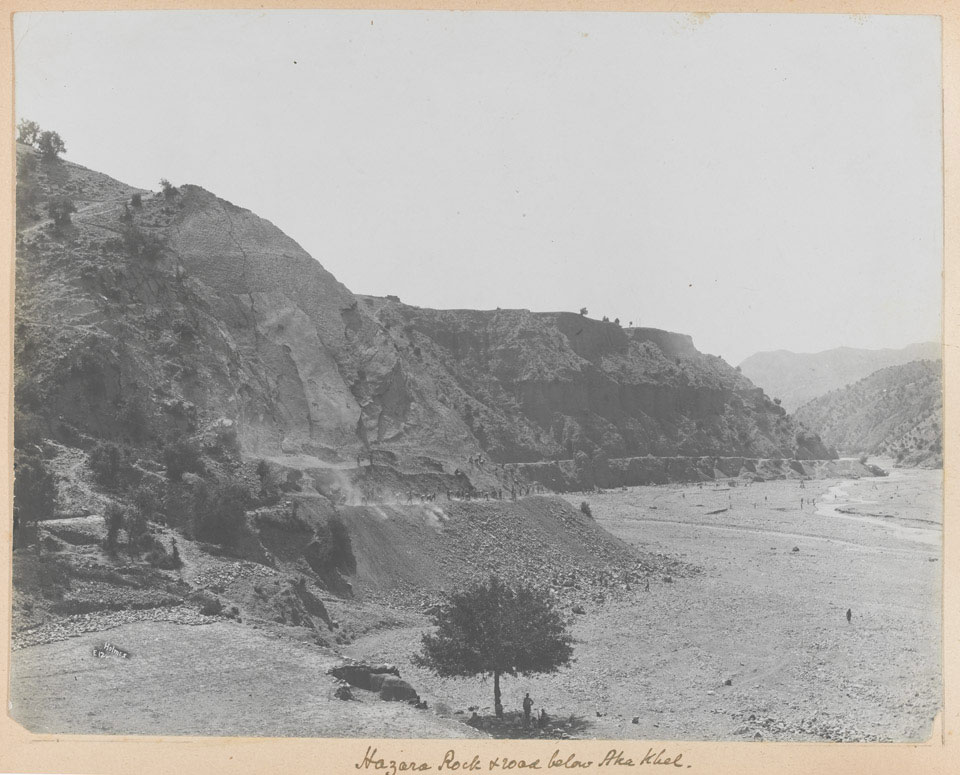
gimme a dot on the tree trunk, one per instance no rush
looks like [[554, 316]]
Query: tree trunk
[[497, 705]]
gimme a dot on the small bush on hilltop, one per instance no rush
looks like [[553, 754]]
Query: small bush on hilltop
[[169, 190], [27, 132]]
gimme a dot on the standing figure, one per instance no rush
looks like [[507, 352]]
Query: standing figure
[[527, 707]]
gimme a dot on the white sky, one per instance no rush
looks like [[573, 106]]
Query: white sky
[[756, 181]]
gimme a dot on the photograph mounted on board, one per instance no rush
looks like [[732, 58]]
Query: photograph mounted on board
[[478, 375]]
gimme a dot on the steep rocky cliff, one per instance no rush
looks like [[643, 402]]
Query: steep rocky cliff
[[158, 316], [533, 386]]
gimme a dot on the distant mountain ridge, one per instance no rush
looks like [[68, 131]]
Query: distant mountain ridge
[[896, 411], [796, 378]]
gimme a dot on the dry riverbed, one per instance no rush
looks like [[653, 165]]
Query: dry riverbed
[[767, 615]]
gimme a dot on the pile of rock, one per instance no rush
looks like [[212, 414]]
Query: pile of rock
[[221, 576], [72, 626], [768, 728], [383, 679]]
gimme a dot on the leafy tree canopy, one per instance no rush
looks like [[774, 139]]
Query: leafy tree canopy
[[50, 145], [27, 132], [494, 628]]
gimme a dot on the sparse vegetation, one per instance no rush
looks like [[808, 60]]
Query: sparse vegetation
[[137, 530], [291, 482], [34, 489], [335, 548], [181, 457], [220, 513], [113, 519], [169, 190], [148, 500], [107, 461], [60, 209], [585, 509], [226, 445], [141, 244]]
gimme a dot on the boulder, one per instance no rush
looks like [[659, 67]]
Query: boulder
[[394, 688], [361, 674]]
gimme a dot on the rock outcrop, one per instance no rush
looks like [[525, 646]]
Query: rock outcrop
[[184, 315]]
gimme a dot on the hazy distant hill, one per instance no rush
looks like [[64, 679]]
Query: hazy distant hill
[[895, 411], [796, 378]]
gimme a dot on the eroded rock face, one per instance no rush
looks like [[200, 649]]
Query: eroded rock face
[[534, 386], [235, 322]]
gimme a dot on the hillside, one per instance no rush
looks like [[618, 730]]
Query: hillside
[[896, 412], [185, 313], [796, 378], [213, 434]]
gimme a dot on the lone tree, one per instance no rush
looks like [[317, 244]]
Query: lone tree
[[50, 145], [495, 628], [27, 131]]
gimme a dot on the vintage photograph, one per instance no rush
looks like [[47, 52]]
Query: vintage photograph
[[419, 374]]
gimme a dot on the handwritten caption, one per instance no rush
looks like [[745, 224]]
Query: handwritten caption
[[615, 759]]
